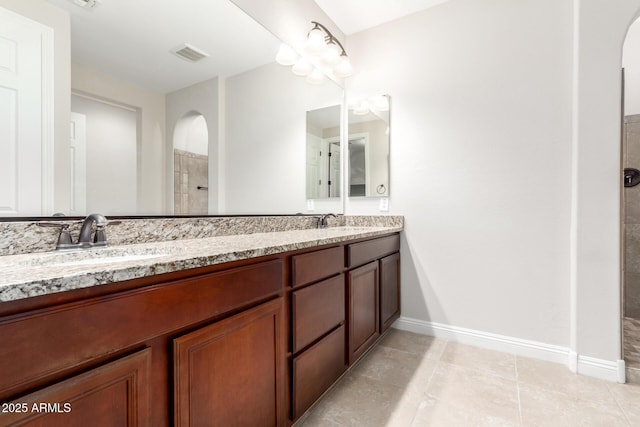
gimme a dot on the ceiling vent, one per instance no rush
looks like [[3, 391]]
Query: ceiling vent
[[86, 4], [189, 53]]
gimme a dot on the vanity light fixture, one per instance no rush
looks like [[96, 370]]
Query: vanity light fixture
[[323, 54], [372, 104], [86, 4]]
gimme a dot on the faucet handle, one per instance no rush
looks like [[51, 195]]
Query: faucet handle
[[100, 238], [64, 238]]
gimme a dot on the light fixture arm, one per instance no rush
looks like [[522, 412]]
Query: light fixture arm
[[330, 37]]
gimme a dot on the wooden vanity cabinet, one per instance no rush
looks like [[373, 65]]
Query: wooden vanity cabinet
[[373, 289], [317, 325], [246, 343], [389, 290], [141, 356], [115, 394]]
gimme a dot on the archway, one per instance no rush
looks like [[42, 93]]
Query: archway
[[191, 165]]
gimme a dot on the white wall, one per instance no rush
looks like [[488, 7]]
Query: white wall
[[152, 180], [58, 20], [200, 98], [631, 64], [111, 156], [266, 137], [480, 160]]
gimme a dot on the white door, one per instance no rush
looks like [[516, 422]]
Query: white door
[[78, 164], [334, 169], [25, 109], [314, 168]]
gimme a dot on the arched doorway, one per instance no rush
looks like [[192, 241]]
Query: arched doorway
[[631, 198], [191, 165]]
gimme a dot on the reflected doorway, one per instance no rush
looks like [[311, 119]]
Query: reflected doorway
[[191, 165], [103, 150]]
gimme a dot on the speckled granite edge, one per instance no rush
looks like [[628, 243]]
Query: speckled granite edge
[[20, 278], [27, 237]]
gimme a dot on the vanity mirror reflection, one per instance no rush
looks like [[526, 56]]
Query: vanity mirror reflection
[[235, 116], [323, 153], [368, 135]]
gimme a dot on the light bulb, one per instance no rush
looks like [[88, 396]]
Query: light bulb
[[316, 77], [361, 109], [286, 55], [379, 103], [302, 67], [315, 44], [344, 68], [332, 56]]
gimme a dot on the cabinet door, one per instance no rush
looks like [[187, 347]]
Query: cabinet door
[[231, 373], [115, 394], [363, 309], [389, 290], [316, 369]]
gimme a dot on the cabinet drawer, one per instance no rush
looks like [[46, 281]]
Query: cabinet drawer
[[71, 335], [313, 266], [363, 252], [316, 369], [316, 310]]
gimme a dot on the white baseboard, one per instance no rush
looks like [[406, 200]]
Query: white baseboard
[[608, 370]]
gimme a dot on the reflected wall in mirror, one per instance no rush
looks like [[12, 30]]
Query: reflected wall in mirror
[[369, 147], [251, 156], [323, 153]]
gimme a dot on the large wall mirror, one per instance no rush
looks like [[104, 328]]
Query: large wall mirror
[[178, 109], [368, 135]]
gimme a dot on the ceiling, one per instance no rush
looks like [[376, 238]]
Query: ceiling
[[352, 16], [133, 40]]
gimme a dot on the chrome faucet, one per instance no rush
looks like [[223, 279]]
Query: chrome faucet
[[322, 220], [87, 238]]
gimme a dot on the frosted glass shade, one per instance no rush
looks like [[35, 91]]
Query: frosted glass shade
[[315, 44], [344, 68], [331, 55], [302, 67], [316, 77], [286, 55]]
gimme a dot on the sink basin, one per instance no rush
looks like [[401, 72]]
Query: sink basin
[[106, 260], [86, 257]]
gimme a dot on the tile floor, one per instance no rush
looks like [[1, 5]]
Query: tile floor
[[415, 380]]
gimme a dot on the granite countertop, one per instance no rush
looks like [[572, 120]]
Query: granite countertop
[[28, 275]]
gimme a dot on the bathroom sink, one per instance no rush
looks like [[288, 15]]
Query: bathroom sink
[[87, 257], [106, 260]]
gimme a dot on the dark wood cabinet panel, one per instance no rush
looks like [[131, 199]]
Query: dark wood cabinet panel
[[317, 369], [314, 266], [389, 290], [115, 394], [66, 336], [231, 373], [369, 250], [363, 313], [317, 309]]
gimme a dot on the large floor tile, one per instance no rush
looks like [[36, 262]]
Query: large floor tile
[[435, 413], [628, 397], [359, 401], [543, 407], [475, 391], [557, 377], [423, 345], [399, 368], [493, 362]]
